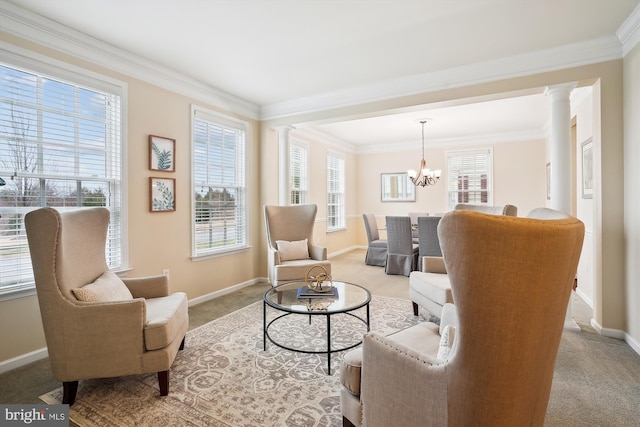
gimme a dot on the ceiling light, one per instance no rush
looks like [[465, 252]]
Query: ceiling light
[[424, 176]]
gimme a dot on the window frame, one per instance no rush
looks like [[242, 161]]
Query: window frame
[[57, 71], [340, 217], [485, 183], [228, 123], [303, 178]]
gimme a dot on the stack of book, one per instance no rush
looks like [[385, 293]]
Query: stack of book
[[306, 292]]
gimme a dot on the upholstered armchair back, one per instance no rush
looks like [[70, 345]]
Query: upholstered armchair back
[[290, 223], [511, 281], [70, 252]]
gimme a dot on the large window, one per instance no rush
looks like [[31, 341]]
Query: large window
[[60, 146], [335, 192], [298, 182], [219, 205], [469, 177]]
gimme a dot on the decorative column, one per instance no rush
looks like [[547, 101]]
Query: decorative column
[[283, 166], [560, 159]]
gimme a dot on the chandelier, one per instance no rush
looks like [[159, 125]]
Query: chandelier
[[424, 176]]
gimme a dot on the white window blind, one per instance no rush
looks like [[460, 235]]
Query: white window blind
[[298, 181], [219, 191], [60, 146], [469, 177], [335, 189]]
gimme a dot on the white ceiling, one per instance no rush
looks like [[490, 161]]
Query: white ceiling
[[275, 53]]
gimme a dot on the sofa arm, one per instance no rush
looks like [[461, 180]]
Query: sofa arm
[[401, 386], [148, 287], [318, 253]]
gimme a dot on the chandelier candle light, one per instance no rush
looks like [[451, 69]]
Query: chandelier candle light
[[424, 176]]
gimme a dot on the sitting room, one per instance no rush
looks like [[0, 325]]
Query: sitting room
[[185, 127]]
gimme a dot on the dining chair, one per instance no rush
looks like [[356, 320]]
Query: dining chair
[[376, 247], [414, 224], [402, 253], [428, 241]]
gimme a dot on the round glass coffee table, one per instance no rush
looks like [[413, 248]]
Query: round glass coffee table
[[284, 298]]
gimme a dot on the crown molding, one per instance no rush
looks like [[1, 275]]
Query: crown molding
[[629, 31], [567, 56], [453, 143], [50, 34], [308, 134]]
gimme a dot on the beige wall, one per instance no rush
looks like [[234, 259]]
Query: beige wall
[[518, 170], [157, 241], [632, 191], [157, 111]]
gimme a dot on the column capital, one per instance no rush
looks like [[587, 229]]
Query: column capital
[[559, 90], [285, 129]]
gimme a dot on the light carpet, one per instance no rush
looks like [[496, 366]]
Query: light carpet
[[224, 378]]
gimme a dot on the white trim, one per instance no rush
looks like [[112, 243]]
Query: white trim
[[572, 55], [225, 291], [23, 359], [635, 345], [629, 31], [48, 33]]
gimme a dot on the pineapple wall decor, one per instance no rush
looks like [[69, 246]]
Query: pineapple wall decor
[[162, 153]]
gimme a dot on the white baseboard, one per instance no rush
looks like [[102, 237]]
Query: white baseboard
[[212, 295], [23, 359], [635, 345], [344, 251]]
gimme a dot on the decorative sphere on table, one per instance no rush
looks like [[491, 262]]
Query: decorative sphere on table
[[321, 281]]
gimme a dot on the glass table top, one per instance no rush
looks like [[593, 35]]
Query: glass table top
[[349, 297]]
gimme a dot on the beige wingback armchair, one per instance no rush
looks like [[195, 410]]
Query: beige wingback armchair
[[491, 360], [291, 252], [429, 288], [97, 325]]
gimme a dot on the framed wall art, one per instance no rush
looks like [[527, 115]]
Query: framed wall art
[[162, 194], [587, 168], [396, 187], [162, 154]]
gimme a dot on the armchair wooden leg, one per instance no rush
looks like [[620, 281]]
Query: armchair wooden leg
[[346, 422], [163, 382], [182, 343], [415, 308], [69, 390]]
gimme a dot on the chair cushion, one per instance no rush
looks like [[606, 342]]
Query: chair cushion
[[298, 249], [165, 316], [106, 288]]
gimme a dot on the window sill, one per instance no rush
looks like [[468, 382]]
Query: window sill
[[211, 255], [22, 292], [335, 230]]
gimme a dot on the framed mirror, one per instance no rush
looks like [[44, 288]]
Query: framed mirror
[[396, 187]]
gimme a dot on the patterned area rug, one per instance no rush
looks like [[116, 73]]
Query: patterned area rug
[[223, 377]]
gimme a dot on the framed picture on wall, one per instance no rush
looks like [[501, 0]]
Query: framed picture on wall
[[162, 153], [162, 193], [587, 168]]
